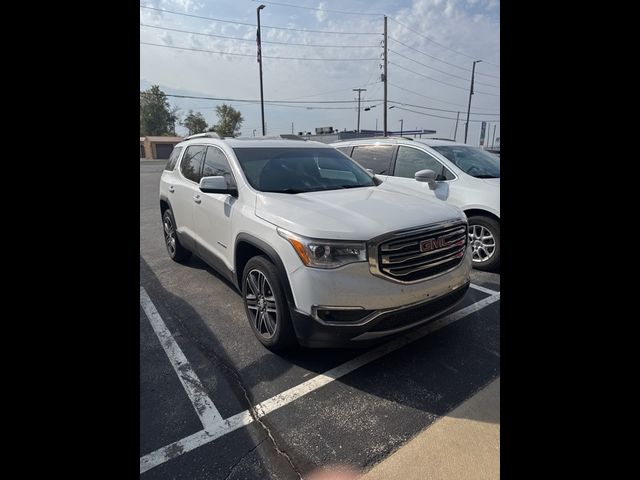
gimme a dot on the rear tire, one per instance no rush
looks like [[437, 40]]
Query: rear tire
[[266, 305], [175, 249], [484, 238]]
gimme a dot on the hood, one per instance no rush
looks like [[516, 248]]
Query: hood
[[352, 214]]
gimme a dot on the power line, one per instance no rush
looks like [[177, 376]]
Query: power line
[[426, 96], [317, 9], [330, 91], [439, 116], [252, 40], [440, 81], [254, 25], [439, 44], [198, 97], [442, 110], [441, 71], [264, 56], [439, 59]]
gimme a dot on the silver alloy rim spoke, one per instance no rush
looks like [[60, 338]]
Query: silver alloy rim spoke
[[169, 235], [483, 244], [252, 285], [261, 304]]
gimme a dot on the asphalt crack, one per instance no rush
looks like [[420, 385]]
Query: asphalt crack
[[265, 427], [215, 358], [233, 467]]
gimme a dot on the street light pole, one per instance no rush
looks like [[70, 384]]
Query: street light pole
[[401, 125], [264, 132], [466, 125]]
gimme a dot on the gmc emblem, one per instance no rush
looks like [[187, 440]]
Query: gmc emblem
[[434, 244]]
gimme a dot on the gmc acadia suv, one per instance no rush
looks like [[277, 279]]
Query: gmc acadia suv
[[320, 253]]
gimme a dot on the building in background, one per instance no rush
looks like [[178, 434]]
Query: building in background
[[157, 147], [329, 135]]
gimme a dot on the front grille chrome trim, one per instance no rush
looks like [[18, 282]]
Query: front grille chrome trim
[[400, 260]]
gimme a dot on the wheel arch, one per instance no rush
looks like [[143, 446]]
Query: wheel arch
[[470, 212], [248, 246]]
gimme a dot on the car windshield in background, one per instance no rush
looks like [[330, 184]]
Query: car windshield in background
[[471, 160], [299, 170]]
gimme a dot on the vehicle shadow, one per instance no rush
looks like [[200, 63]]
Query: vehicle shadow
[[423, 380]]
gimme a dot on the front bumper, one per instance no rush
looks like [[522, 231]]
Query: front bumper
[[313, 333]]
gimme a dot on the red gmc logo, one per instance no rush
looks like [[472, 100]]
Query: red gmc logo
[[434, 244]]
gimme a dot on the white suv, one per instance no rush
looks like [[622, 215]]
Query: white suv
[[466, 176], [320, 253]]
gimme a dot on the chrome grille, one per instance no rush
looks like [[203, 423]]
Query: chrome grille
[[420, 253]]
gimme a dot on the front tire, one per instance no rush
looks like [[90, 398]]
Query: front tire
[[484, 238], [174, 248], [266, 306]]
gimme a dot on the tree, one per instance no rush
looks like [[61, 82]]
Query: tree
[[195, 123], [156, 115], [229, 121]]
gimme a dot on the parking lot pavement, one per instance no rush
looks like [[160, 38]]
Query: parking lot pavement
[[282, 415]]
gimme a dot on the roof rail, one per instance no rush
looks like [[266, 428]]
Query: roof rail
[[203, 135], [290, 136]]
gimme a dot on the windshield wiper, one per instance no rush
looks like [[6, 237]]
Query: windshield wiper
[[352, 186], [486, 175]]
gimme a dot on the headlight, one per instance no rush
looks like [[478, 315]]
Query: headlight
[[325, 253]]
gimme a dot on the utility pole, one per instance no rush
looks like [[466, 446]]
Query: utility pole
[[376, 126], [401, 125], [359, 90], [384, 75], [494, 136], [291, 128], [466, 125], [455, 133], [264, 131]]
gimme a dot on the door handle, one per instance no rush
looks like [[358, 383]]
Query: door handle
[[171, 189], [196, 198]]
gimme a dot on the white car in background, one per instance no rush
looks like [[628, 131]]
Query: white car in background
[[466, 176]]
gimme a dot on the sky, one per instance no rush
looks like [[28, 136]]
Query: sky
[[432, 46]]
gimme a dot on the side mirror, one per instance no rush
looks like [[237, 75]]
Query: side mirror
[[217, 185], [427, 176]]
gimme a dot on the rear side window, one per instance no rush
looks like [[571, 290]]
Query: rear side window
[[191, 164], [171, 164], [411, 160], [345, 150], [216, 164], [375, 157]]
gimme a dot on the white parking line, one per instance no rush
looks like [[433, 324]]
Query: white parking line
[[484, 289], [204, 407], [242, 419]]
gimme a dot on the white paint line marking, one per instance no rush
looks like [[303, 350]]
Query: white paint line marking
[[242, 419], [480, 288], [204, 407]]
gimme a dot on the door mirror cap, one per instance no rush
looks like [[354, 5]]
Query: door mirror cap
[[426, 176], [217, 184]]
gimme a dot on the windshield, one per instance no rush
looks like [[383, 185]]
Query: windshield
[[471, 160], [299, 170]]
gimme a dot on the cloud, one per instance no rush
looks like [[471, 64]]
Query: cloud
[[166, 38], [321, 15], [452, 23]]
